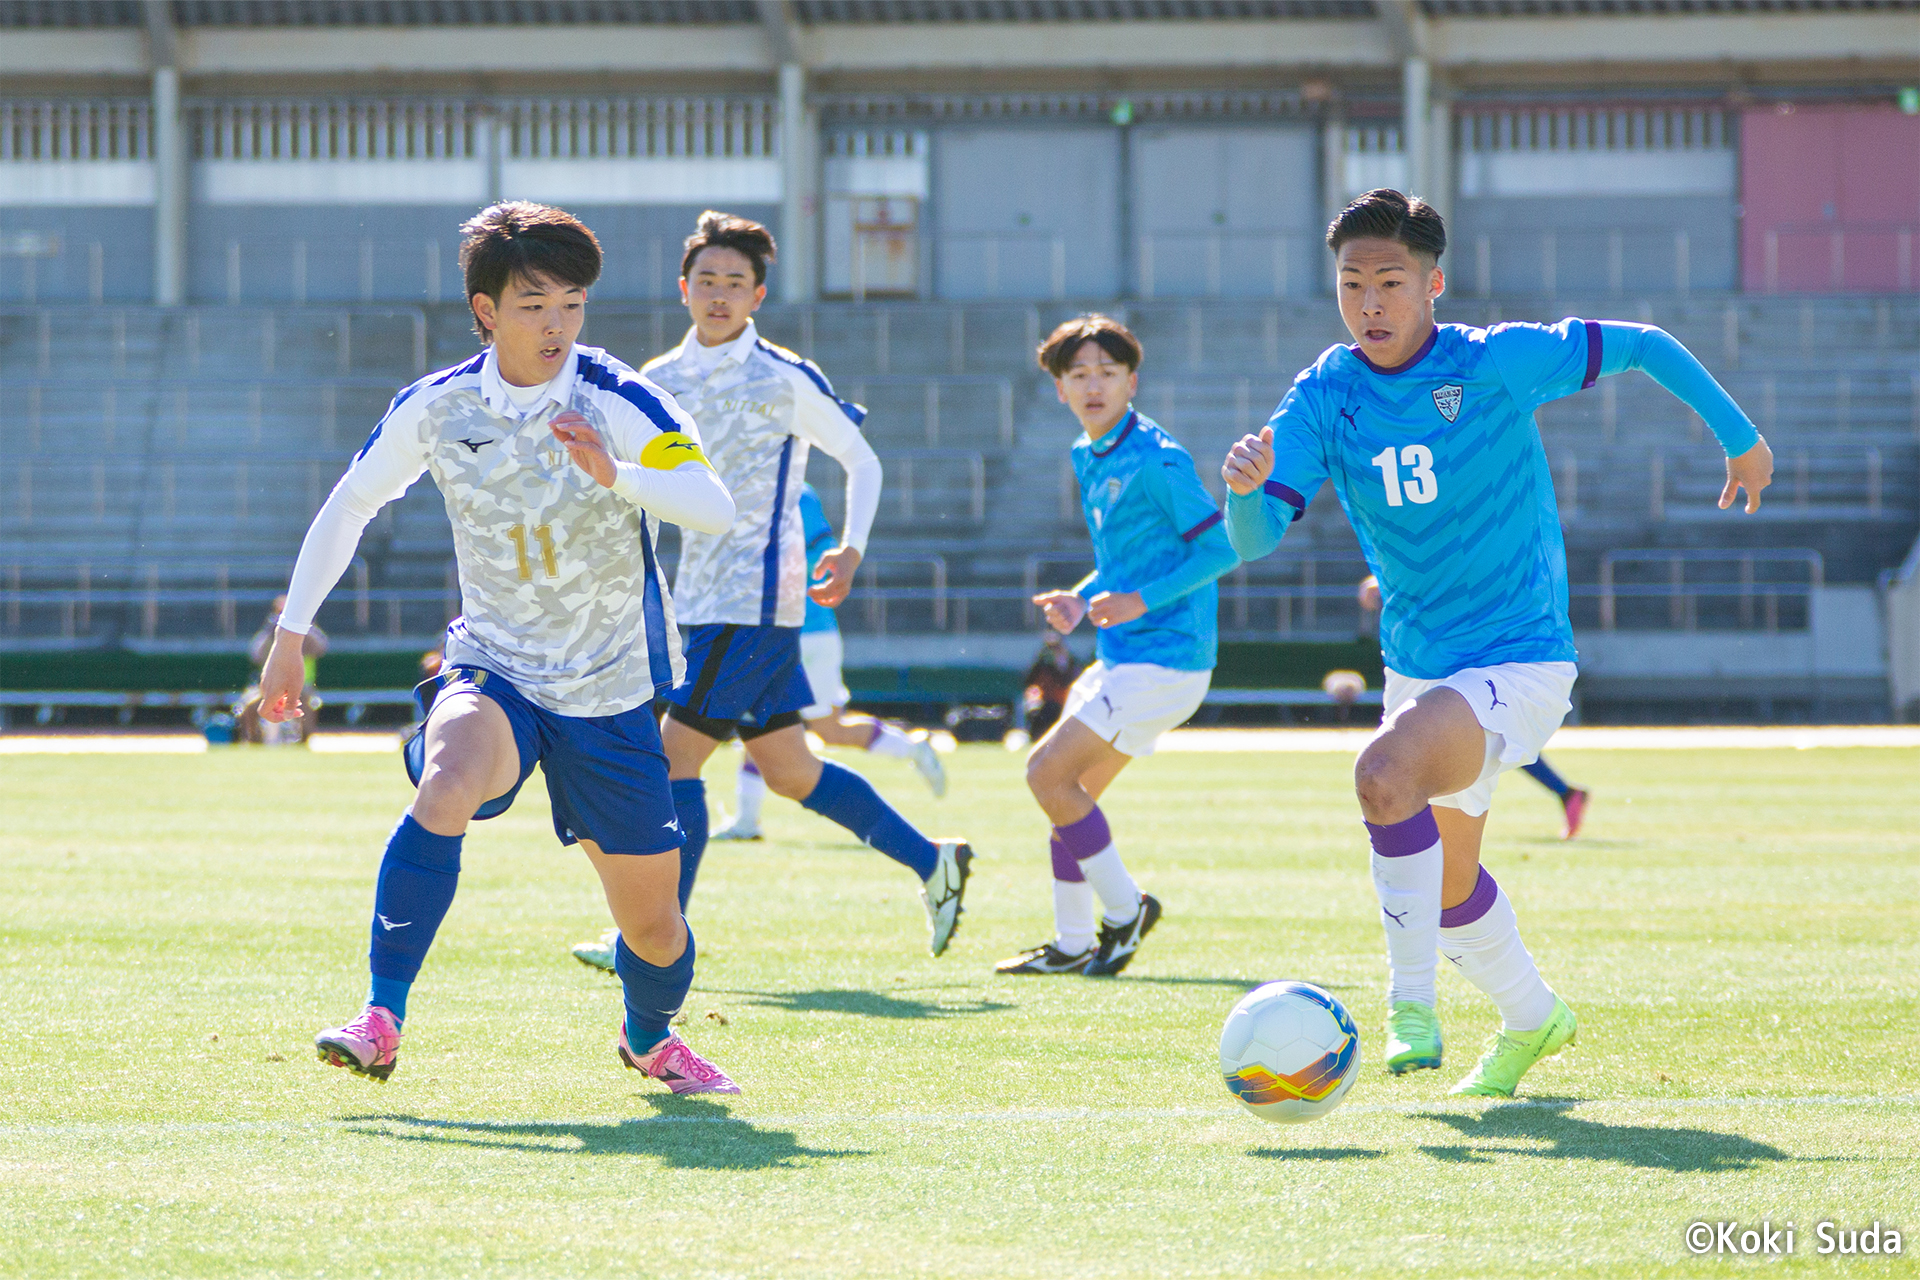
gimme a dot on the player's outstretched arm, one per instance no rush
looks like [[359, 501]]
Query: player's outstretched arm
[[391, 460], [833, 425], [1661, 357]]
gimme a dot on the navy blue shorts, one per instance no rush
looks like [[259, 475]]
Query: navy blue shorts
[[606, 775], [738, 677]]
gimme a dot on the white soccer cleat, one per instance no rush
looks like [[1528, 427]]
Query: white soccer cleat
[[944, 890], [927, 763]]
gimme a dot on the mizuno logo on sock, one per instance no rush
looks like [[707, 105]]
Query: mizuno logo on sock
[[1398, 917], [390, 925]]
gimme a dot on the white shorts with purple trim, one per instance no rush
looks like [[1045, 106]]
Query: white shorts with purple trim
[[1130, 704], [1519, 704]]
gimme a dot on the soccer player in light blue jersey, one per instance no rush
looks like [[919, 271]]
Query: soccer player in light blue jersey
[[1158, 548], [1426, 433]]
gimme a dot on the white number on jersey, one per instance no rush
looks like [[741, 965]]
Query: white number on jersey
[[1417, 458]]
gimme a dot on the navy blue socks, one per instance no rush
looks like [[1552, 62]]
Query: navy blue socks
[[1543, 773], [690, 806], [654, 993], [418, 875], [851, 801]]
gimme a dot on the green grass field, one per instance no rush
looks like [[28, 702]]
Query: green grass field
[[1737, 934]]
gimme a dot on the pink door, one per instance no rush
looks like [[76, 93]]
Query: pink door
[[1830, 199]]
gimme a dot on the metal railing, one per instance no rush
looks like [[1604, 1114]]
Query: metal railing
[[906, 469], [1747, 579]]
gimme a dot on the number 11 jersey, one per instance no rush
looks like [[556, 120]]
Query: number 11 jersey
[[1440, 468]]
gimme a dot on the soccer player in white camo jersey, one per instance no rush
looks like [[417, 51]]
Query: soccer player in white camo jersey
[[742, 593], [557, 463]]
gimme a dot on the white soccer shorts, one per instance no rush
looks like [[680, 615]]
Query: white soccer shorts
[[1518, 704], [821, 656], [1131, 704]]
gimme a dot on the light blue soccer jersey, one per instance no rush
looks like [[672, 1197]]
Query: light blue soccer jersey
[[1155, 531], [1440, 468], [820, 540]]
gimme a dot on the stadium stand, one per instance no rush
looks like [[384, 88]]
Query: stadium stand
[[163, 461]]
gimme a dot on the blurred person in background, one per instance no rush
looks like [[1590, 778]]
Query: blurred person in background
[[248, 726]]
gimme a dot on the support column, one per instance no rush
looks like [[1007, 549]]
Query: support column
[[169, 191], [1440, 168], [1333, 163], [169, 145], [799, 213], [1415, 109]]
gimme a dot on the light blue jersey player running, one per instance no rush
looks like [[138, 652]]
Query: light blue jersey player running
[[1158, 548], [1426, 433], [822, 658]]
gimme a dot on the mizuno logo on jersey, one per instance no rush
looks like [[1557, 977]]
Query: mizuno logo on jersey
[[474, 446], [1447, 400]]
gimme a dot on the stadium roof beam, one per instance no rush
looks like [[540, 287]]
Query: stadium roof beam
[[1462, 43]]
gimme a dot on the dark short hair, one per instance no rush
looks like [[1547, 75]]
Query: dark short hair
[[533, 241], [1114, 338], [717, 230], [1386, 214]]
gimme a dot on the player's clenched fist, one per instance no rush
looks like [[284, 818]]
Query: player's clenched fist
[[1064, 609], [1249, 463], [284, 678], [584, 446]]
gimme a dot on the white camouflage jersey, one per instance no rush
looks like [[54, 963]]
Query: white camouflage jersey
[[759, 410], [560, 580]]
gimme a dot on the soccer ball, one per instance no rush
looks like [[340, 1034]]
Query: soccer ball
[[1289, 1052]]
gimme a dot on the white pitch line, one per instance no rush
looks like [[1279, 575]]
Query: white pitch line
[[1059, 1115], [1742, 737]]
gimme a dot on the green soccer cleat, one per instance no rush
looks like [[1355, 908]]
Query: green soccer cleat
[[1509, 1055], [1413, 1038]]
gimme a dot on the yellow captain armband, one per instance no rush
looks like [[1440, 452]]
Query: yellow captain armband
[[671, 448]]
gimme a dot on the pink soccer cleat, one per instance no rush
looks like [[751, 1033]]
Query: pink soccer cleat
[[674, 1064], [367, 1046], [1576, 807]]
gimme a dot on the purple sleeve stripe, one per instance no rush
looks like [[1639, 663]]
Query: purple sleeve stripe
[[1593, 353], [1288, 496], [1202, 527]]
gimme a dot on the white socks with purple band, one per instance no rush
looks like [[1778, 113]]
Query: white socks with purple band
[[1407, 865], [1482, 937]]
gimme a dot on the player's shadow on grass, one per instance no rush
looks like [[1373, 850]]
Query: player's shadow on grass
[[1316, 1153], [867, 1004], [685, 1133], [1572, 1138]]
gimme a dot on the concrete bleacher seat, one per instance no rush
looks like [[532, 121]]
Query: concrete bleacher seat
[[215, 432]]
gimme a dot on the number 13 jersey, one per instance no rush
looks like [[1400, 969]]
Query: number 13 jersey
[[1440, 468]]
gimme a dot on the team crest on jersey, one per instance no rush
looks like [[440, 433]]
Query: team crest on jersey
[[1447, 400]]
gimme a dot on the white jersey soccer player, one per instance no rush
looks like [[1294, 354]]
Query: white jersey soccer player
[[1426, 433], [557, 464], [742, 594]]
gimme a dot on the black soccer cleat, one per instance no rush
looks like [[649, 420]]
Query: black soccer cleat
[[1118, 942], [1045, 958]]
